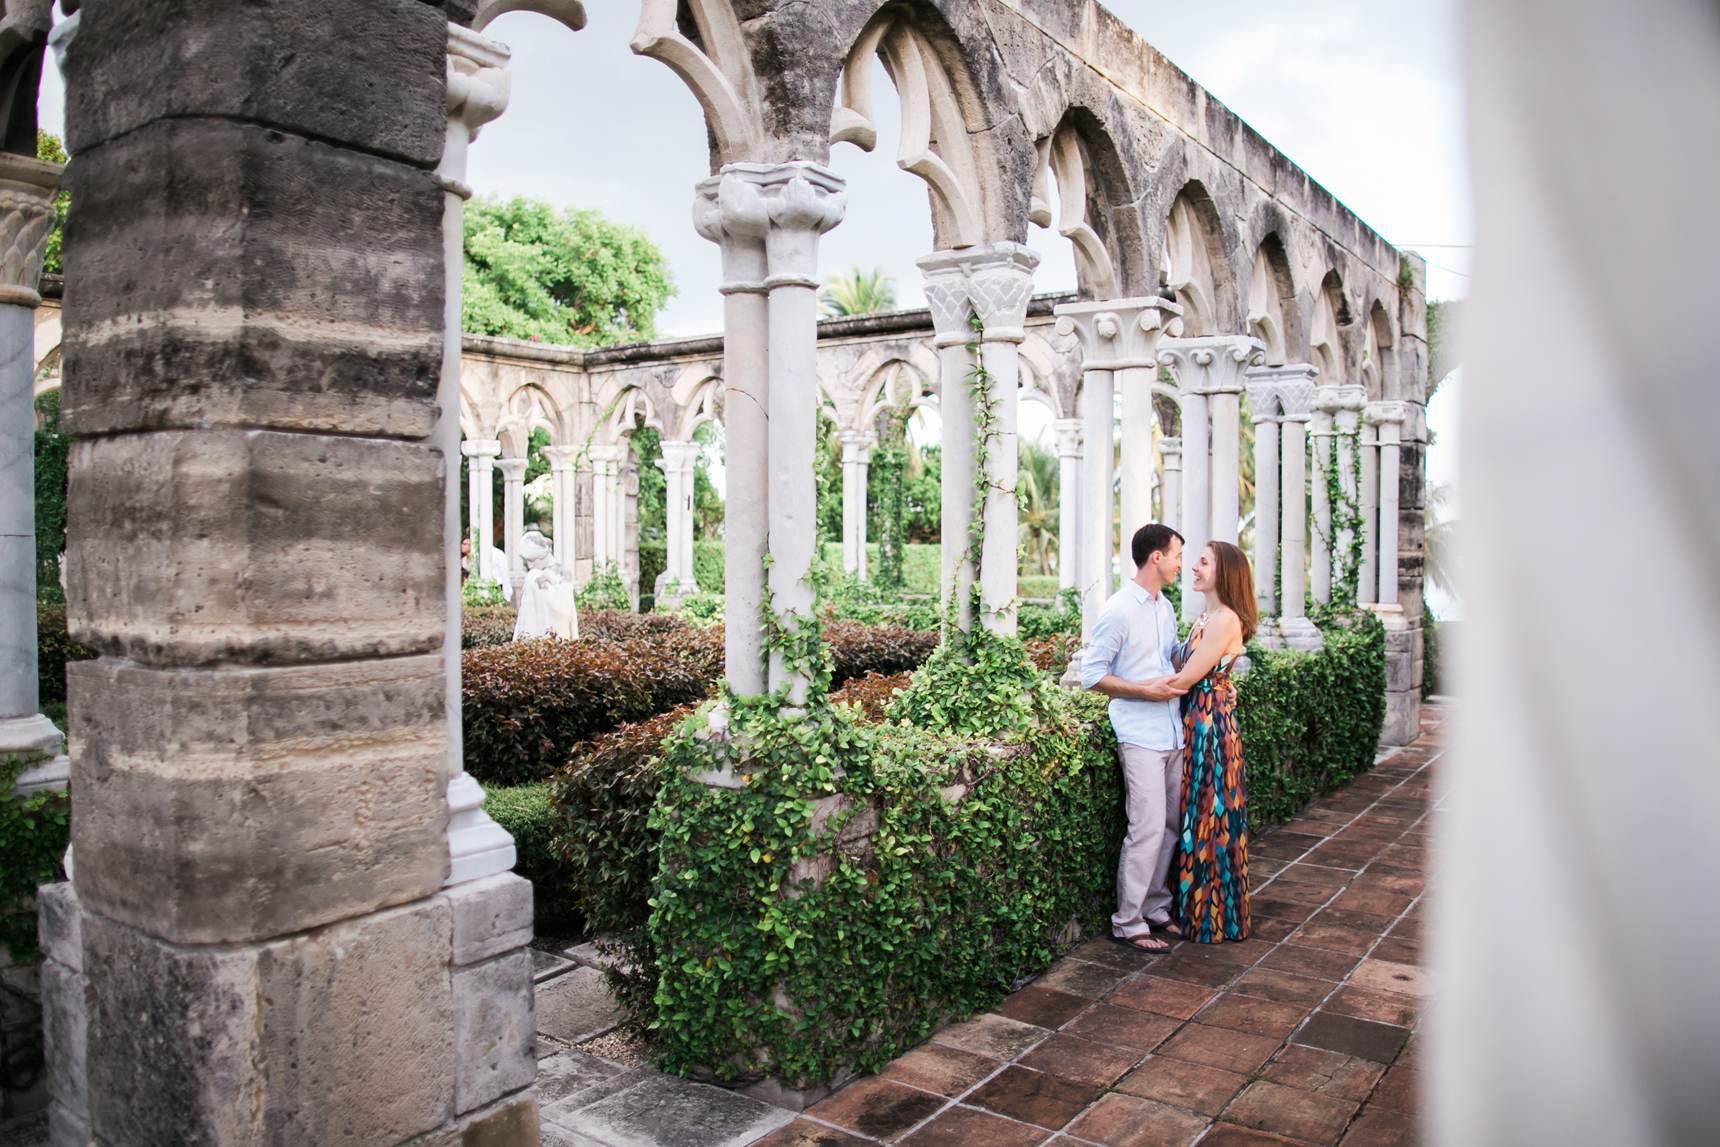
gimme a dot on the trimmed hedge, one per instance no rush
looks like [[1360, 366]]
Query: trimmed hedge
[[34, 832], [528, 815], [1311, 721], [54, 648]]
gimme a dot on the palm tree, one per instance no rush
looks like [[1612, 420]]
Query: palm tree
[[857, 292], [1441, 558], [1036, 498]]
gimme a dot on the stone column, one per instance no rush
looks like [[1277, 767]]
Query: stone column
[[856, 461], [605, 502], [1388, 418], [725, 213], [261, 752], [1346, 420], [1263, 410], [1067, 432], [788, 206], [513, 518], [1295, 386], [481, 458], [27, 188], [1224, 407], [677, 464], [1368, 582], [561, 461], [994, 282], [1119, 344], [1204, 367], [1170, 497]]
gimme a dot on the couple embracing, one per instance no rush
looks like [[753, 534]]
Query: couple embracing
[[1184, 868]]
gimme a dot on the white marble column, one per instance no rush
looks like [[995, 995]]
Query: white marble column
[[1224, 408], [856, 461], [481, 455], [1263, 412], [561, 460], [1320, 542], [1067, 433], [1204, 367], [677, 463], [1295, 385], [513, 517], [993, 281], [1368, 579], [1346, 421], [1170, 497], [727, 214], [27, 188], [605, 506], [478, 89], [1388, 417]]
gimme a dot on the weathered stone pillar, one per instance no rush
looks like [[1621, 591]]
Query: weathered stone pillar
[[259, 934], [1346, 421], [856, 461], [481, 458], [27, 188], [993, 281], [953, 335], [1388, 418], [561, 496], [513, 518], [1224, 407], [1403, 629], [1263, 411], [738, 223], [1204, 367], [1295, 386], [1067, 432], [1170, 496], [606, 506], [677, 463], [1320, 440], [1368, 581]]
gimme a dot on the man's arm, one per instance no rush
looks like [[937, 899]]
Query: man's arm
[[1108, 635], [1113, 686]]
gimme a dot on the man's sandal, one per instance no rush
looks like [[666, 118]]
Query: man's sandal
[[1145, 942]]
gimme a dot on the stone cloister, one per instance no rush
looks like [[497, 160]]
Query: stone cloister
[[280, 871]]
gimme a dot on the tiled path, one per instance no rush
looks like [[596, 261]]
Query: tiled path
[[1305, 1034]]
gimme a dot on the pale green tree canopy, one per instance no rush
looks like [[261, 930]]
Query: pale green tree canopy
[[857, 292], [567, 276]]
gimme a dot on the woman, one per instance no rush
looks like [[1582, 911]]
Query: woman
[[1209, 878]]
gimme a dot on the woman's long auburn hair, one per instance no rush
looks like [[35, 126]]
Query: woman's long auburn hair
[[1235, 584]]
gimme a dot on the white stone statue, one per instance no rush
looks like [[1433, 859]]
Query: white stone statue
[[547, 607]]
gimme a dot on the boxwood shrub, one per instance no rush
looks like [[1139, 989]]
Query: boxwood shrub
[[34, 832], [54, 647], [526, 812]]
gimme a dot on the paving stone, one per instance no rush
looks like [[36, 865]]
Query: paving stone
[[1183, 1084], [1122, 1027], [1270, 984], [1284, 845], [1164, 997], [653, 1108], [1305, 1115], [805, 1133], [1244, 952], [1126, 1121], [1192, 966], [879, 1108], [1273, 931], [1290, 891], [1381, 1007], [1351, 1036], [1048, 1101], [1382, 903], [576, 1007], [1401, 1090], [998, 1037], [1385, 976], [1081, 1060], [1230, 1135], [968, 1127], [1219, 1047], [1113, 955], [1397, 951], [587, 956], [1077, 977], [1275, 909], [548, 965], [1325, 1072], [1043, 1007], [568, 1073], [1254, 1016], [1318, 875], [1317, 963], [1381, 1128], [945, 1070]]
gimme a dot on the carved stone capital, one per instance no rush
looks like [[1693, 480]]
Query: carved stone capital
[[27, 189], [1262, 401], [1120, 333], [1170, 449], [479, 82], [560, 457], [678, 457], [482, 448], [1211, 365], [786, 206], [993, 281], [1067, 432], [1292, 390], [1380, 413], [856, 445], [513, 469], [1333, 399]]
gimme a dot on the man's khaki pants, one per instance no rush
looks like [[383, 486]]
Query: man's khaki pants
[[1153, 782]]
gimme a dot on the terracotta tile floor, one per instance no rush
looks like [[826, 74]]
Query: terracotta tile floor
[[1304, 1034]]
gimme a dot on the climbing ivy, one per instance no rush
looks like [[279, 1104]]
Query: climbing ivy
[[34, 832], [1345, 515], [890, 463]]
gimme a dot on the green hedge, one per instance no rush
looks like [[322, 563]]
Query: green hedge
[[528, 815], [708, 569], [34, 832], [1310, 722], [53, 649]]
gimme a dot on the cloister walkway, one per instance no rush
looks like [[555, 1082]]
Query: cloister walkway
[[1307, 1033]]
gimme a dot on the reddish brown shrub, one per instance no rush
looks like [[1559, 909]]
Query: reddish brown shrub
[[1053, 654], [873, 693]]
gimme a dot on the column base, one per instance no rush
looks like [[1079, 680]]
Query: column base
[[1301, 635], [36, 737], [477, 845]]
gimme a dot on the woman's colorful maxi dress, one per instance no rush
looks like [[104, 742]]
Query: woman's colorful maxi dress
[[1209, 880]]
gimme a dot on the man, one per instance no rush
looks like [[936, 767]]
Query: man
[[1131, 646]]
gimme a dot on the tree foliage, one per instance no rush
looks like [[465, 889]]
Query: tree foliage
[[49, 150], [569, 277], [857, 292], [1443, 323]]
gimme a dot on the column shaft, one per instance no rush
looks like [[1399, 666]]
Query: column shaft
[[1225, 409], [856, 461], [1068, 435], [958, 551], [1196, 496], [1293, 582], [1368, 582], [1263, 406], [746, 426], [999, 561], [1390, 464], [513, 515], [1170, 497], [1321, 541], [1135, 454], [1098, 456]]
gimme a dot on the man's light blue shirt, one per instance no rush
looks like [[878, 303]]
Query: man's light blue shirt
[[1133, 639]]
